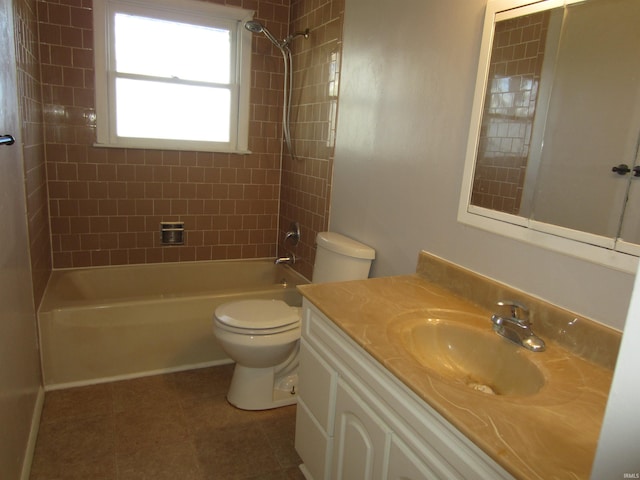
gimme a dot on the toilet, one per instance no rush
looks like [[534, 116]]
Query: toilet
[[263, 336]]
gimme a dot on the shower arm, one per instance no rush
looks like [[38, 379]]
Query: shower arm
[[289, 38]]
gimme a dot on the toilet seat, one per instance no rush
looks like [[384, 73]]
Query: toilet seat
[[257, 317]]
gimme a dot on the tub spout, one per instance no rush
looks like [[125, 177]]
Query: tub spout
[[289, 260]]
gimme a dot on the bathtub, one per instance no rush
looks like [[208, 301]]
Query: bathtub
[[109, 323]]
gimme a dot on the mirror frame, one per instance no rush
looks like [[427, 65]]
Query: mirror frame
[[585, 246]]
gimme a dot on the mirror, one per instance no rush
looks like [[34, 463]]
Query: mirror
[[556, 117]]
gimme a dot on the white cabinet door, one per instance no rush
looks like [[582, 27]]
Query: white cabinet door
[[362, 440], [405, 465], [317, 385], [316, 405], [312, 444]]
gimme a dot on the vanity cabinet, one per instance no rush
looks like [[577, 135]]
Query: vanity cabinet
[[355, 420]]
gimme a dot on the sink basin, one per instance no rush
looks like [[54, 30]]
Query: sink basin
[[471, 356]]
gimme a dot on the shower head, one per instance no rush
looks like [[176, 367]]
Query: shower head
[[256, 27]]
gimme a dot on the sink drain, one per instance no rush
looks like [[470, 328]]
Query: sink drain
[[481, 387]]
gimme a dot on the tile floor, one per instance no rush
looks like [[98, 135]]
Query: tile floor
[[175, 427]]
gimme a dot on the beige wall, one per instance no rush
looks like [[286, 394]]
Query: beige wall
[[19, 362], [408, 74]]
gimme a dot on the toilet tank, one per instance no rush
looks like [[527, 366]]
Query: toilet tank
[[340, 258]]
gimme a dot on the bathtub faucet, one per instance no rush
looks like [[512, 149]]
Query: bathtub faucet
[[289, 260]]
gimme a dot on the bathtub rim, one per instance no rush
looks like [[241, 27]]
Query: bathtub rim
[[47, 305], [186, 262]]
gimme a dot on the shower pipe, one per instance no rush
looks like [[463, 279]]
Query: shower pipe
[[283, 45]]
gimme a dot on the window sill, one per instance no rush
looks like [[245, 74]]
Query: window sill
[[182, 148]]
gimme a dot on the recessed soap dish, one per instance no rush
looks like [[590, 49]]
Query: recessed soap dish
[[172, 233]]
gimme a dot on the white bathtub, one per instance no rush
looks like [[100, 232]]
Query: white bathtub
[[108, 323]]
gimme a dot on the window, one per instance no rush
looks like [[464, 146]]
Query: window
[[172, 74]]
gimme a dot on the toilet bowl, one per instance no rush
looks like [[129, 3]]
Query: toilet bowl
[[263, 336]]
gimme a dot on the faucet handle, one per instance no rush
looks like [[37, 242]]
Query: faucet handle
[[517, 310], [293, 234]]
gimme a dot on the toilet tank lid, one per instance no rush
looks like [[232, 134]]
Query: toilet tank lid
[[344, 245]]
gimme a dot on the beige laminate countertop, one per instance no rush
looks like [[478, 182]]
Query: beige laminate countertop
[[551, 434]]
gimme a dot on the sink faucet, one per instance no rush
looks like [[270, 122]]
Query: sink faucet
[[289, 260], [516, 327]]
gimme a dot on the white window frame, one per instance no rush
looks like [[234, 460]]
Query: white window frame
[[186, 11]]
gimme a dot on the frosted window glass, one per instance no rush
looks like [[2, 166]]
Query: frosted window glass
[[160, 48], [169, 111]]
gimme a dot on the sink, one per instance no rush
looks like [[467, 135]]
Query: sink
[[468, 355]]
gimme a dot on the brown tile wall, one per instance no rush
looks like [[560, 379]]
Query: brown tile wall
[[106, 204], [512, 87], [306, 180], [30, 99]]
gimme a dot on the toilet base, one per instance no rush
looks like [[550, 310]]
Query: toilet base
[[260, 389]]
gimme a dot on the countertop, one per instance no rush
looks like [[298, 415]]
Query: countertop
[[551, 434]]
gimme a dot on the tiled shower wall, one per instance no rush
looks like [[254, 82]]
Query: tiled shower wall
[[30, 100], [510, 104], [106, 204], [306, 180]]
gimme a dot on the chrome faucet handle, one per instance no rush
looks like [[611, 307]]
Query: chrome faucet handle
[[293, 234], [517, 310], [516, 327]]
